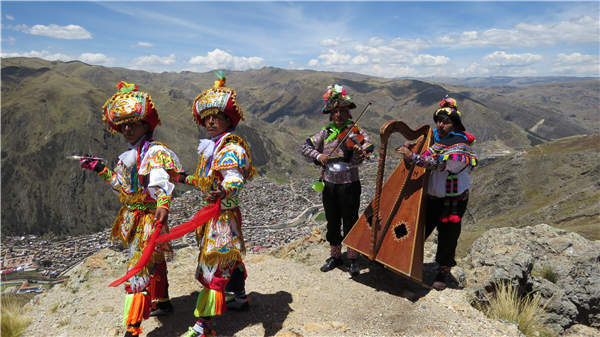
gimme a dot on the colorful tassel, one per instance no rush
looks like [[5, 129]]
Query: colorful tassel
[[210, 302], [136, 308]]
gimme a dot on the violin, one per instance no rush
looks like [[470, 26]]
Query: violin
[[352, 137]]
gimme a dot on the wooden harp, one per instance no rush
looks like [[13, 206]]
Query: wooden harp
[[391, 230]]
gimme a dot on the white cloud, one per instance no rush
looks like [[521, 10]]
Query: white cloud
[[503, 59], [95, 58], [576, 58], [578, 70], [338, 41], [583, 29], [9, 17], [313, 62], [220, 59], [334, 58], [151, 60], [430, 60], [144, 44], [390, 71], [68, 32], [474, 69], [578, 64], [412, 45], [360, 59], [375, 41], [43, 54]]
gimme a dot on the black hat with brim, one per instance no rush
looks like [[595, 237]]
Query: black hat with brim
[[333, 104]]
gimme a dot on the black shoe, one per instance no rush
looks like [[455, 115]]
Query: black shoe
[[238, 303], [441, 280], [354, 268], [162, 309], [331, 263]]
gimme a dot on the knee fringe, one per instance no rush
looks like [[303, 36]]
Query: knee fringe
[[210, 303]]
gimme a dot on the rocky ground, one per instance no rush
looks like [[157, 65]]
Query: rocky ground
[[289, 297]]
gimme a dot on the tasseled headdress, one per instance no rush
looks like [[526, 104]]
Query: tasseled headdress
[[217, 99], [128, 105], [448, 108]]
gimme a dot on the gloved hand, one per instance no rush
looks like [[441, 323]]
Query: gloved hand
[[91, 164], [138, 283]]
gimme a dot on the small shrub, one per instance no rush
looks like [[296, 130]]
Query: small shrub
[[526, 312], [14, 322], [549, 274], [321, 217]]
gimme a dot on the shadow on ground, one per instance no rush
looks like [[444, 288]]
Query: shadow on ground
[[269, 310], [380, 278]]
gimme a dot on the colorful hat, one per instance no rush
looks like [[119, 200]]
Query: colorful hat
[[448, 102], [336, 97], [128, 105], [215, 100], [448, 108]]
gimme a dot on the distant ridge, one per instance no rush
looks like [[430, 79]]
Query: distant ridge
[[505, 81], [51, 109]]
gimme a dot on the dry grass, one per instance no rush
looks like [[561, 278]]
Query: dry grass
[[526, 311], [13, 320]]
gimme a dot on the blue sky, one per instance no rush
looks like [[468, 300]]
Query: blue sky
[[387, 39]]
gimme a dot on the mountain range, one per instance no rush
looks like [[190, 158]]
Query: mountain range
[[53, 109]]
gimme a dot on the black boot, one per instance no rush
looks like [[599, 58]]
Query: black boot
[[441, 280], [331, 263], [162, 309], [354, 268]]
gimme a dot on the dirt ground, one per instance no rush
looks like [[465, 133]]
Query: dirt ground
[[289, 297]]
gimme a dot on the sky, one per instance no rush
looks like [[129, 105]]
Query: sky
[[384, 39]]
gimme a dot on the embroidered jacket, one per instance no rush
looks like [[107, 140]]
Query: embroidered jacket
[[144, 178], [224, 161]]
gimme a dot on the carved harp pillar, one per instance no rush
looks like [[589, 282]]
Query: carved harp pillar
[[392, 228]]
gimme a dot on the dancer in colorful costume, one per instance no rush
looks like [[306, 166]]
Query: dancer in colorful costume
[[224, 167], [144, 177], [341, 192], [450, 160]]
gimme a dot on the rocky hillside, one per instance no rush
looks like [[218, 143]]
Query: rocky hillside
[[53, 109], [556, 182], [291, 297]]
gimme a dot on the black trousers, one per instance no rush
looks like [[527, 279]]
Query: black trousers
[[237, 282], [341, 203], [448, 233]]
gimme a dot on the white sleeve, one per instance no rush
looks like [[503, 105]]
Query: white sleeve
[[231, 175], [159, 183]]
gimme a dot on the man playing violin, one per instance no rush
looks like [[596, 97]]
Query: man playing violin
[[339, 168]]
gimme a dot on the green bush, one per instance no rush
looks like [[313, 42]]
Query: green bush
[[320, 217], [549, 274]]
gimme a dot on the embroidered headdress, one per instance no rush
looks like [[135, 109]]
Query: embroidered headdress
[[217, 99], [336, 97], [128, 105], [448, 108]]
